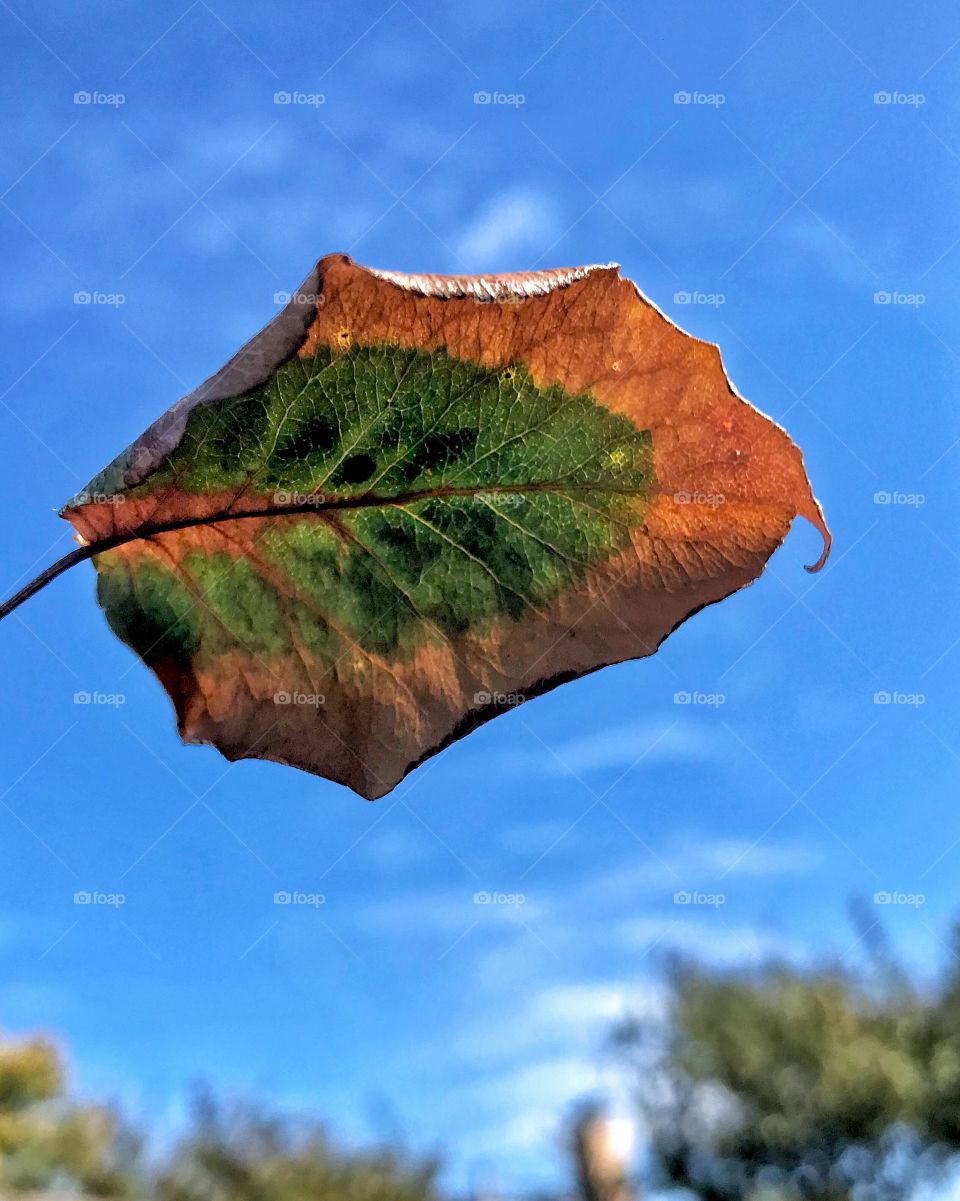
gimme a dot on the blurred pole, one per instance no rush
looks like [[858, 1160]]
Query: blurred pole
[[601, 1150]]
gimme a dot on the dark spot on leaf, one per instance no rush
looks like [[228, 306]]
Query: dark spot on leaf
[[440, 450], [316, 435], [357, 469], [407, 554]]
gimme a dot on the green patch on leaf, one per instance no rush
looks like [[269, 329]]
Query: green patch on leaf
[[149, 608], [490, 496], [390, 421]]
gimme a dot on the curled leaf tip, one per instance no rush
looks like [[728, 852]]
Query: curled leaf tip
[[819, 523]]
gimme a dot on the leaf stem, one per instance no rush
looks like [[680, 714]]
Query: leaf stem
[[47, 575]]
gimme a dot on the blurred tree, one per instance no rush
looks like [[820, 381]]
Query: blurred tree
[[242, 1154], [780, 1084], [47, 1141]]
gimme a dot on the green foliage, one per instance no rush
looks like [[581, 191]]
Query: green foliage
[[47, 1141], [780, 1084], [50, 1144], [244, 1155]]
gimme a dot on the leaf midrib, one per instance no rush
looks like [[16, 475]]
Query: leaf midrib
[[364, 501], [312, 504]]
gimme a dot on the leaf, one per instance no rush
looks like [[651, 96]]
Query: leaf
[[412, 501]]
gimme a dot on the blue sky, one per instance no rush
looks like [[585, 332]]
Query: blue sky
[[782, 197]]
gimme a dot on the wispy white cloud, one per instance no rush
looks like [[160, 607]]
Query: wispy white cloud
[[698, 201], [398, 849], [513, 225], [653, 742], [701, 861], [561, 1015], [450, 911], [710, 939], [532, 837], [531, 1105], [587, 1002], [534, 1069], [746, 857], [822, 249]]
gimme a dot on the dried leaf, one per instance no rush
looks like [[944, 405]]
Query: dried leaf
[[412, 501]]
